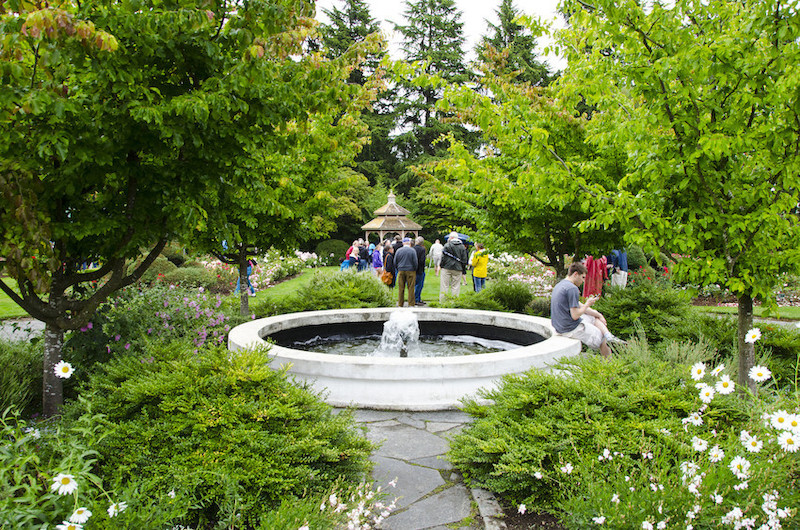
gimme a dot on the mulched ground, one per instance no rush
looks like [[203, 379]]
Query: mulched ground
[[530, 521]]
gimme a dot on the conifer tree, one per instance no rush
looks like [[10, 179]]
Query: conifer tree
[[510, 48]]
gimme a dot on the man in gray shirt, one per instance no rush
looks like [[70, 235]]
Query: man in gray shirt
[[405, 263], [579, 321]]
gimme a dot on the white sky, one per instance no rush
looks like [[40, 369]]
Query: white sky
[[474, 14]]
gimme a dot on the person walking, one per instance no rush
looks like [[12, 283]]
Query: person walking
[[405, 262], [436, 255], [453, 267], [377, 261], [420, 279], [388, 263], [480, 266]]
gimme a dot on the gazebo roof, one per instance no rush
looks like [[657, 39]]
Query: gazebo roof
[[391, 217], [391, 208]]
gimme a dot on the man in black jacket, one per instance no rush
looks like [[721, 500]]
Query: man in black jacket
[[454, 267]]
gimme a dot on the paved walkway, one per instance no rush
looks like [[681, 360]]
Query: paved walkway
[[431, 494]]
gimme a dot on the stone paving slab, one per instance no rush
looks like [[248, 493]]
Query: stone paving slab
[[412, 482], [436, 426], [406, 443], [445, 507]]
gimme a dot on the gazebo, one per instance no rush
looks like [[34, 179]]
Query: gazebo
[[391, 219]]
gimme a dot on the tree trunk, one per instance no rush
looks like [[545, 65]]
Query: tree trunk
[[747, 356], [52, 386]]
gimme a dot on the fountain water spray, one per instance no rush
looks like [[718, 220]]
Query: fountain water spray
[[400, 336]]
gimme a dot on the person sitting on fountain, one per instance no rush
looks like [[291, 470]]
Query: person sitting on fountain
[[573, 319], [405, 262]]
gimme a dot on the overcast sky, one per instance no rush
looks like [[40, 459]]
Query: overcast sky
[[474, 14]]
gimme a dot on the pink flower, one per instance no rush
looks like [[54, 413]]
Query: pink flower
[[128, 346]]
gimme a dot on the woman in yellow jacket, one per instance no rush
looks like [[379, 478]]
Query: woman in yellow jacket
[[480, 263]]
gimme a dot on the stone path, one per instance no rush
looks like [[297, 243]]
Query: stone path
[[431, 493], [20, 329]]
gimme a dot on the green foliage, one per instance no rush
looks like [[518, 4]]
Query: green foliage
[[230, 435], [636, 258], [649, 301], [175, 254], [473, 300], [512, 295], [333, 248], [21, 377], [161, 266], [539, 306], [331, 290], [539, 421], [194, 277]]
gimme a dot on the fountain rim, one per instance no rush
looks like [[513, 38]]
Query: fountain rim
[[251, 334]]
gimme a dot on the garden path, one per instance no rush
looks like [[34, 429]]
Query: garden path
[[431, 493]]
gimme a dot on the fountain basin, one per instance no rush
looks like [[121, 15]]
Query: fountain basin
[[406, 383]]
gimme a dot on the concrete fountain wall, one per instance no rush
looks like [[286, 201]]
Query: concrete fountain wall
[[405, 383]]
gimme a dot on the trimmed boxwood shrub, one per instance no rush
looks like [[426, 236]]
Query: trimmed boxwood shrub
[[228, 433], [514, 296], [337, 247], [636, 257]]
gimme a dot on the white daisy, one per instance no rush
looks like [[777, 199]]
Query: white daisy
[[718, 370], [63, 484], [80, 516], [793, 421], [752, 335], [752, 444], [599, 520], [740, 466], [694, 418], [760, 373], [725, 385], [788, 441], [63, 370], [707, 394], [779, 419], [698, 371], [116, 508], [66, 525], [716, 454], [699, 444]]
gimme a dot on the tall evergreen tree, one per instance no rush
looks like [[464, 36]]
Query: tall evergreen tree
[[510, 48], [435, 34], [349, 24]]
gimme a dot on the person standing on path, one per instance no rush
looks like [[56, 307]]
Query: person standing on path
[[436, 256], [419, 248], [577, 320], [453, 268], [480, 266], [405, 262], [388, 263]]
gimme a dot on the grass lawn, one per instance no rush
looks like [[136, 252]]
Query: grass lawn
[[8, 308], [784, 313]]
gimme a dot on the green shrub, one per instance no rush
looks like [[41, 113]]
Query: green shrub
[[174, 252], [652, 302], [540, 307], [338, 290], [332, 249], [160, 267], [636, 258], [21, 376], [472, 300], [193, 277], [513, 295], [225, 431]]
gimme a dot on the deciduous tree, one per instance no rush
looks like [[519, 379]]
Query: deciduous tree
[[703, 98]]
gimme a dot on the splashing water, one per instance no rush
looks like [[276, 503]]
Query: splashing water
[[400, 336]]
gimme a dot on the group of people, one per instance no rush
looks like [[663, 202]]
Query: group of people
[[404, 260]]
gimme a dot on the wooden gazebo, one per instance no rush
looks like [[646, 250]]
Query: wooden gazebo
[[391, 219]]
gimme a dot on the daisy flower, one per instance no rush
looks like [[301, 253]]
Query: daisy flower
[[694, 418], [699, 444], [716, 454], [707, 394], [599, 520], [739, 466], [647, 525], [63, 484], [725, 385], [63, 370], [66, 525], [80, 516], [760, 373], [752, 335], [779, 419], [116, 508], [793, 421], [752, 444], [718, 370], [788, 441], [698, 371]]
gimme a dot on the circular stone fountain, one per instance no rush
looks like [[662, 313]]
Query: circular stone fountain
[[418, 383]]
